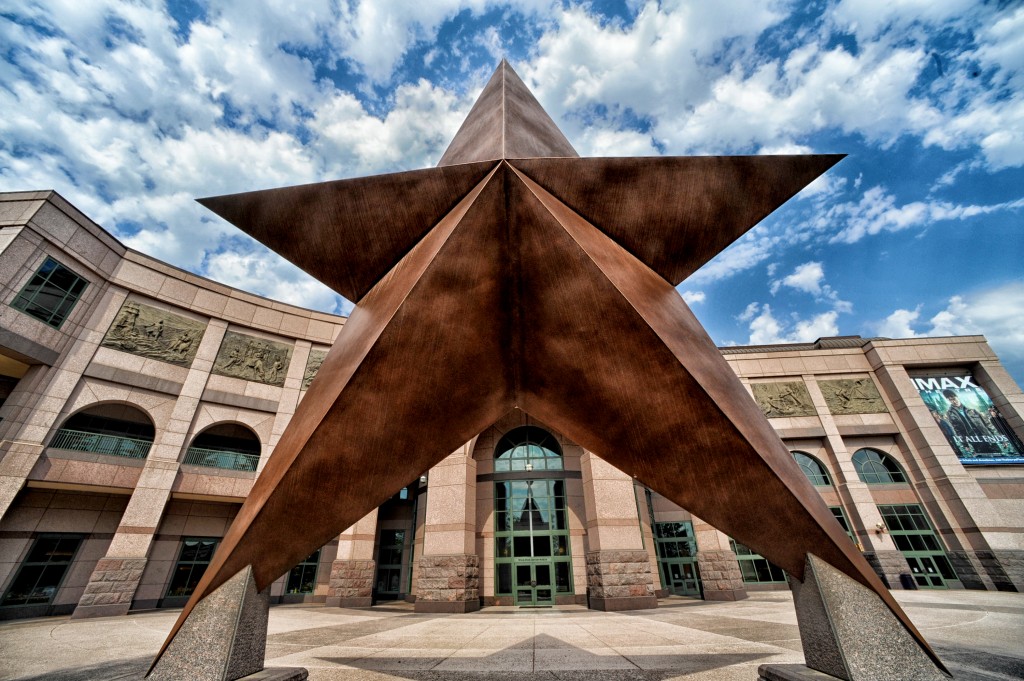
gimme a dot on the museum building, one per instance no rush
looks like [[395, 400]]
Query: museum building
[[139, 402]]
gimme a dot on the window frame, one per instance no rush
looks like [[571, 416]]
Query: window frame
[[26, 563], [863, 458], [821, 474], [26, 299]]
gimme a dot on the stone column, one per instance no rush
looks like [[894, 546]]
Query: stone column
[[879, 550], [291, 392], [720, 576], [970, 526], [618, 567], [116, 577], [449, 575], [352, 575], [22, 442]]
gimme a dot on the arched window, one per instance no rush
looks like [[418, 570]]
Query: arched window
[[876, 468], [813, 469], [227, 445], [112, 429], [527, 448]]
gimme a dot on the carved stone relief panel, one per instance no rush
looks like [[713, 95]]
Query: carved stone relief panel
[[783, 399], [253, 358], [154, 333], [316, 358], [852, 396]]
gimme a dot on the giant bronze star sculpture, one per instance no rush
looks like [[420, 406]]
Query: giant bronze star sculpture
[[516, 274]]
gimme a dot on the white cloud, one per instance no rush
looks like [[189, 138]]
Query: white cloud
[[810, 278], [877, 211], [766, 329], [900, 323], [694, 297], [807, 277], [994, 312], [275, 278]]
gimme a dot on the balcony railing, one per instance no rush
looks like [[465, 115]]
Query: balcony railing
[[222, 458], [113, 445]]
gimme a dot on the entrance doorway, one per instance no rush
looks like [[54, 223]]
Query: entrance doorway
[[535, 584], [677, 558], [532, 559]]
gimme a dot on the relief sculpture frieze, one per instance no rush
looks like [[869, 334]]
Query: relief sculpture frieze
[[778, 400], [153, 333], [316, 358], [852, 396], [253, 359]]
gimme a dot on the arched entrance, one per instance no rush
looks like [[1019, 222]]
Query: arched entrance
[[533, 562], [113, 429]]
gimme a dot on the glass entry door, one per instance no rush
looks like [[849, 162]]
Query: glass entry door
[[683, 578], [534, 584], [926, 571]]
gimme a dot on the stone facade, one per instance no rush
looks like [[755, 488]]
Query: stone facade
[[888, 565], [229, 364], [620, 580], [448, 584], [720, 576], [351, 584], [1006, 568], [111, 587]]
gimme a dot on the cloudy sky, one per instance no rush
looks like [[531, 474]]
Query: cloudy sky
[[132, 109]]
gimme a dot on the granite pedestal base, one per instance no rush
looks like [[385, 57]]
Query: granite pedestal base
[[791, 672], [888, 565], [351, 584], [620, 580], [720, 576], [224, 638], [111, 588], [848, 632], [449, 584]]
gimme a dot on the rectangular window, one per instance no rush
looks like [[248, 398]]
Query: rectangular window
[[51, 293], [302, 578], [914, 537], [196, 554], [755, 568], [43, 569], [840, 516]]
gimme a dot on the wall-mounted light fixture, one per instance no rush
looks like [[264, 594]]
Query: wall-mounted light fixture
[[880, 528]]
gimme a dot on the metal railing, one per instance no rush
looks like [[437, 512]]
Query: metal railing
[[222, 458], [113, 445]]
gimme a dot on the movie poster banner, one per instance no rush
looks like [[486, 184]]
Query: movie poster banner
[[974, 427]]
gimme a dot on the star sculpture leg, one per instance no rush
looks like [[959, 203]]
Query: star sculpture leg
[[546, 284]]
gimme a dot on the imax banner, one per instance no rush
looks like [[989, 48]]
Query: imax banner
[[974, 427]]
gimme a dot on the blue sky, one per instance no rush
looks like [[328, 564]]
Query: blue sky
[[133, 109]]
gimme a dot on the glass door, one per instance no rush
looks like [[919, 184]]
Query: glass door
[[534, 584]]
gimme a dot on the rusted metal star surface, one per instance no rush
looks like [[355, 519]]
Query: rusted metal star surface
[[516, 274]]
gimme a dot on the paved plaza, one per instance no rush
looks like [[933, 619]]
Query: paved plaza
[[979, 634]]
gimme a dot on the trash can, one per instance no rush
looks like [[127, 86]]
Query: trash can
[[907, 581]]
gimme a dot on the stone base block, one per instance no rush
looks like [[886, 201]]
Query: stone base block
[[968, 569], [888, 565], [791, 672], [725, 595], [224, 637], [849, 632], [278, 674], [1005, 568], [620, 580], [111, 588], [448, 583], [619, 604], [351, 584], [720, 576]]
